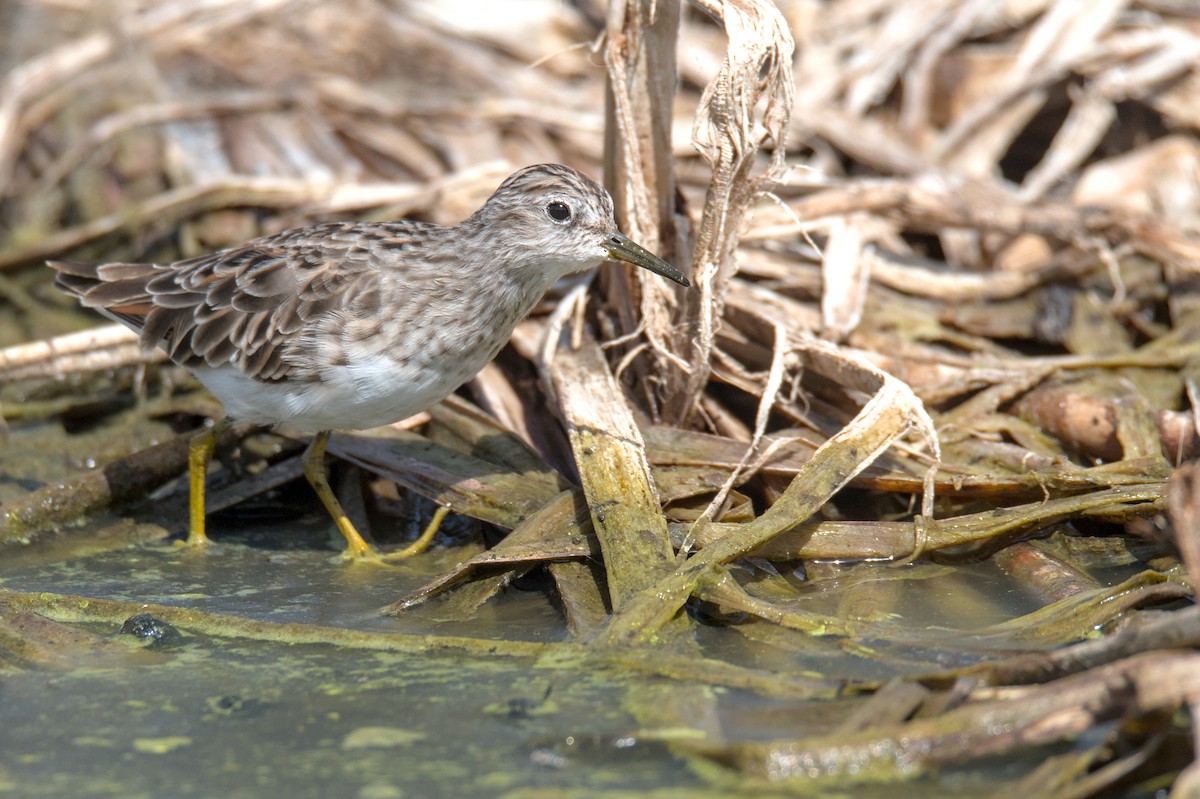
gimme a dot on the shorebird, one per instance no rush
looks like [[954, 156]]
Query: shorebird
[[348, 326]]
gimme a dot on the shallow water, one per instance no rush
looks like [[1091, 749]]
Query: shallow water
[[217, 718], [224, 714]]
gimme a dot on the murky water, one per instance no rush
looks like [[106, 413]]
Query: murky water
[[210, 714]]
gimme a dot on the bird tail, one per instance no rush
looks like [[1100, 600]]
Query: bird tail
[[116, 290]]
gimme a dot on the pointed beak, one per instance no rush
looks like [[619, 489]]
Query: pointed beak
[[621, 248]]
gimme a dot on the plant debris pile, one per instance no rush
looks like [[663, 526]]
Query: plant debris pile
[[944, 334]]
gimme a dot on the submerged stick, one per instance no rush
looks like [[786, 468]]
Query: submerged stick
[[68, 608], [72, 501], [610, 455], [1030, 716]]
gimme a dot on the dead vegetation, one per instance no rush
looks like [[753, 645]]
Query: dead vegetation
[[945, 257]]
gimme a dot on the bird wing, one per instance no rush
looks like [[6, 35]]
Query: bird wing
[[246, 305]]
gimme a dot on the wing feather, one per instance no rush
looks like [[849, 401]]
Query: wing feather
[[247, 305]]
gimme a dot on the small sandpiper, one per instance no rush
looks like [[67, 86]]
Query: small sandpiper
[[348, 326]]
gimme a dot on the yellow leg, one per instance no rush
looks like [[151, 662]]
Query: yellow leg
[[314, 470], [419, 546], [199, 453]]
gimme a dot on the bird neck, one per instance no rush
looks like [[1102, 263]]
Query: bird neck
[[512, 258]]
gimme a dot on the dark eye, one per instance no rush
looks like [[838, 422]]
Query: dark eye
[[559, 212]]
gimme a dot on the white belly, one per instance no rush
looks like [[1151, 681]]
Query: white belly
[[374, 391]]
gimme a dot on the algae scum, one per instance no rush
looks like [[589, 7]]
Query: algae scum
[[222, 702], [236, 695]]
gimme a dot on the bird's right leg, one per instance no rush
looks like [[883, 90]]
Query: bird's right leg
[[200, 452], [357, 549]]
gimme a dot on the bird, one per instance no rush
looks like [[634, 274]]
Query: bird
[[354, 325]]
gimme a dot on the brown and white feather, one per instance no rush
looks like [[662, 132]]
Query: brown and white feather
[[353, 325]]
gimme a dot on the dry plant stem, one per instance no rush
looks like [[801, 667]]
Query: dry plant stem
[[890, 413], [1063, 622], [171, 207], [466, 484], [499, 490], [29, 81], [1057, 774], [610, 456], [94, 350], [845, 275], [757, 68], [669, 447], [638, 160], [922, 78], [464, 604], [1183, 498], [1056, 42], [349, 95], [927, 280], [515, 410], [932, 204], [274, 476], [1092, 782], [725, 591], [1091, 424], [116, 124], [1030, 716], [766, 402], [1092, 115], [26, 82], [894, 701]]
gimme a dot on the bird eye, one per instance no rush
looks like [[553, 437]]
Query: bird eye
[[559, 211]]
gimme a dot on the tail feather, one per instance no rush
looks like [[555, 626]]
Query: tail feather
[[74, 277], [117, 293], [79, 268], [116, 290]]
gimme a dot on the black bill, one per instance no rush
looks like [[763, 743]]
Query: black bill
[[621, 248]]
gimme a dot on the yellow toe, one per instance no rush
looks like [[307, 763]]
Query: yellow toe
[[422, 543]]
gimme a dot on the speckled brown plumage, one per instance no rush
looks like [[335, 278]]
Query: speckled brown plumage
[[335, 310], [351, 326], [247, 305]]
